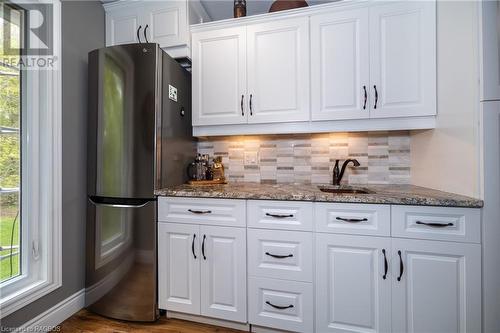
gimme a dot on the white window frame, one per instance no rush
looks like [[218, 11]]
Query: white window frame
[[41, 203]]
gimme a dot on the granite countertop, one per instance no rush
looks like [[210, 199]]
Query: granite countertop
[[380, 194]]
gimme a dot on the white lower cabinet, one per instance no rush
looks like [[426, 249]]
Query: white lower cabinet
[[365, 269], [178, 267], [284, 305], [223, 273], [428, 286], [202, 270], [353, 288], [436, 286]]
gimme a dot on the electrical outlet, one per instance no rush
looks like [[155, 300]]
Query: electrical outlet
[[251, 157], [172, 93]]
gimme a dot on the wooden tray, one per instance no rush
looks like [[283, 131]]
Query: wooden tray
[[206, 182]]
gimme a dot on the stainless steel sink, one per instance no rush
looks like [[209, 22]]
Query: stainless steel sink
[[344, 190]]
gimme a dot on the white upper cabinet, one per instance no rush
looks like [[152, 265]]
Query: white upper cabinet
[[436, 286], [122, 26], [403, 59], [340, 65], [163, 22], [278, 71], [337, 67], [219, 78], [251, 74], [166, 23], [490, 45]]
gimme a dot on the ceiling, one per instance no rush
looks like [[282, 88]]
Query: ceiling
[[223, 9]]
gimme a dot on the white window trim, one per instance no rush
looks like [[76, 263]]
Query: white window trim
[[42, 200]]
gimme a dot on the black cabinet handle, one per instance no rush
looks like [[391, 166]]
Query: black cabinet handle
[[386, 266], [138, 36], [203, 247], [279, 216], [242, 112], [351, 220], [279, 307], [192, 246], [435, 225], [251, 111], [366, 97], [401, 267], [279, 256], [376, 96], [200, 211], [146, 29]]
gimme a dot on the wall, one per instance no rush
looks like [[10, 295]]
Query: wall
[[82, 31], [384, 157], [447, 158]]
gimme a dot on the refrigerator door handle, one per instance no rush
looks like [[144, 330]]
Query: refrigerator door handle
[[140, 204]]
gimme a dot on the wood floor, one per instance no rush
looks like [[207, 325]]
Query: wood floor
[[87, 322]]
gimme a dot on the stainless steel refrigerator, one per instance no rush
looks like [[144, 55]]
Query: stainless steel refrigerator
[[139, 139]]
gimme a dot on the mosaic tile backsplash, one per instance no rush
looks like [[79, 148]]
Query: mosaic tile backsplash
[[309, 158]]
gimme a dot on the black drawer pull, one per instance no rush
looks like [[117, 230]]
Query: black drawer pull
[[401, 267], [200, 211], [435, 225], [366, 97], [351, 220], [279, 216], [242, 111], [251, 109], [203, 247], [386, 266], [192, 246], [279, 307], [279, 256]]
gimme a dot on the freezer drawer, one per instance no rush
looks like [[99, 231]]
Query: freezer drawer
[[121, 260]]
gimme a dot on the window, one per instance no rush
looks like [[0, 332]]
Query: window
[[10, 147], [30, 152]]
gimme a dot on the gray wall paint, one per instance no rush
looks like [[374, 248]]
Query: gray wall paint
[[82, 31]]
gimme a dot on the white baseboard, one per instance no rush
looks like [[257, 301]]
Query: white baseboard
[[261, 329], [45, 321], [209, 321]]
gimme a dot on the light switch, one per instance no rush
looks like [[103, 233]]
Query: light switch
[[251, 157]]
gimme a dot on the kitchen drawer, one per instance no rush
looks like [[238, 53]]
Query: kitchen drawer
[[437, 223], [288, 215], [285, 305], [357, 219], [223, 212], [280, 254]]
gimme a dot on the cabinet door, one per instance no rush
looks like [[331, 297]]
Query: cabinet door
[[122, 25], [439, 289], [351, 292], [219, 77], [490, 45], [403, 59], [278, 71], [179, 267], [223, 273], [166, 22], [340, 65]]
